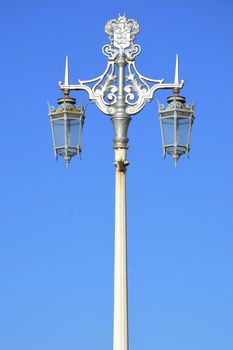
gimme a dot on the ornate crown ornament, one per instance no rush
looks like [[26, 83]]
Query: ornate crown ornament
[[122, 31]]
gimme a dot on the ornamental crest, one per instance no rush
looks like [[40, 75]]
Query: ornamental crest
[[122, 31]]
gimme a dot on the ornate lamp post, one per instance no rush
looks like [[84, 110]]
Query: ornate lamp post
[[121, 92]]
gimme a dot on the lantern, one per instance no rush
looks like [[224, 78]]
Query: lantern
[[176, 125], [67, 124]]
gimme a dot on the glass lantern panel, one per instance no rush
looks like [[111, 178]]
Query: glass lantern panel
[[73, 126], [58, 129], [183, 130], [168, 130]]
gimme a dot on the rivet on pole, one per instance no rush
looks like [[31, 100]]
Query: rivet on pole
[[121, 165]]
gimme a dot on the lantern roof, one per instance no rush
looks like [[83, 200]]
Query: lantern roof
[[66, 104], [176, 103]]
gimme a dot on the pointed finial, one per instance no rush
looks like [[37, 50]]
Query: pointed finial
[[176, 78], [66, 82]]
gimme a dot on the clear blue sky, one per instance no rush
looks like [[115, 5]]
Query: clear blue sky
[[57, 226]]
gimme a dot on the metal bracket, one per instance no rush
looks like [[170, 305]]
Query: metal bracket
[[121, 165]]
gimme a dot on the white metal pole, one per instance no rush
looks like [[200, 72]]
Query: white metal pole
[[120, 336]]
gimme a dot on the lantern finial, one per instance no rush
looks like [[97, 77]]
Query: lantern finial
[[176, 77], [66, 79], [66, 82]]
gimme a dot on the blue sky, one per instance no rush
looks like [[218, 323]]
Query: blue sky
[[57, 226]]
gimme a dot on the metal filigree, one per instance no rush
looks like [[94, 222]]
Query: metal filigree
[[121, 91], [138, 86], [140, 89], [176, 104], [101, 90]]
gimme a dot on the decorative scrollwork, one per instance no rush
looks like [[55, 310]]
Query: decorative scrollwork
[[132, 52], [66, 106], [106, 90], [177, 105], [138, 89], [134, 89], [110, 52], [102, 90]]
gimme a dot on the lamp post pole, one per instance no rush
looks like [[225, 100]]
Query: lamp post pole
[[120, 331], [121, 96], [120, 121]]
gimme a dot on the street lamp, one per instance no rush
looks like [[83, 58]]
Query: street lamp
[[67, 123], [121, 92], [176, 123]]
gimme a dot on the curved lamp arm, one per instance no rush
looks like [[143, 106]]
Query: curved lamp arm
[[140, 91], [101, 90]]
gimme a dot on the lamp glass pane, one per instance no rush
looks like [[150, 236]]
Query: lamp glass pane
[[168, 130], [183, 130], [58, 128], [73, 132]]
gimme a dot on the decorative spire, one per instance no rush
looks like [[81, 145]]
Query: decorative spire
[[176, 78], [66, 82], [67, 71]]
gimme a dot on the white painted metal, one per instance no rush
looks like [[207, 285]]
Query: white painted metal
[[120, 337], [140, 90], [176, 79], [66, 80]]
